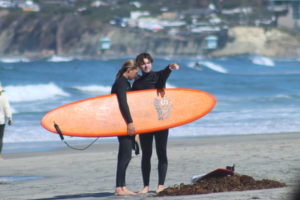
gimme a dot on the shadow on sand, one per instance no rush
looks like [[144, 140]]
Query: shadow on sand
[[79, 196]]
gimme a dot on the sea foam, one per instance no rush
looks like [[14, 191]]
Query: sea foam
[[59, 59], [208, 64], [102, 89], [214, 67], [168, 85], [26, 93], [262, 60], [94, 89], [14, 60]]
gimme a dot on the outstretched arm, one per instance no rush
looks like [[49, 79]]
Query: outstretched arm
[[164, 75]]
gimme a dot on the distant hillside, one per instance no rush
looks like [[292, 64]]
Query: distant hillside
[[38, 36], [256, 40], [71, 35]]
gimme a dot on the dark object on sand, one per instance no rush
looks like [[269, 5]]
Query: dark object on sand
[[231, 167], [216, 174], [229, 171], [221, 184]]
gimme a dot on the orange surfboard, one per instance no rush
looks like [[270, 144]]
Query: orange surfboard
[[101, 116]]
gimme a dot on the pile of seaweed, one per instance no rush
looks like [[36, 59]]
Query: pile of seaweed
[[221, 184]]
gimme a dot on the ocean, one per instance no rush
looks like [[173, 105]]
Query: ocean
[[255, 94]]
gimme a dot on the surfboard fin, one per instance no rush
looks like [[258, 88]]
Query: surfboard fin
[[58, 131]]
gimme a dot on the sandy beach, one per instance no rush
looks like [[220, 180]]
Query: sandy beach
[[90, 174]]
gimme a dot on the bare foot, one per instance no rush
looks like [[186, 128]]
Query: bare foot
[[128, 191], [118, 191], [1, 158], [160, 188], [123, 191], [144, 190]]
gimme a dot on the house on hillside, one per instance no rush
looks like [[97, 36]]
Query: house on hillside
[[6, 4], [29, 6], [58, 2], [291, 19], [150, 23]]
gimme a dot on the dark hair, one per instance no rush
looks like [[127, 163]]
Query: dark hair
[[127, 64], [140, 58]]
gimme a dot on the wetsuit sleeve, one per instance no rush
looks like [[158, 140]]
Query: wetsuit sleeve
[[122, 99], [163, 76]]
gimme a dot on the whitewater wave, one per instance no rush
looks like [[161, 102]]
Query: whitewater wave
[[60, 59], [95, 89], [14, 60], [214, 67], [193, 65], [207, 64], [168, 85], [34, 133], [26, 93], [262, 60], [100, 89], [280, 97]]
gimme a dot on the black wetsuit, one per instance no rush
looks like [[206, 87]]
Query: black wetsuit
[[120, 87], [2, 126], [154, 80]]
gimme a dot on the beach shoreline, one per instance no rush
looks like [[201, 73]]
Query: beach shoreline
[[68, 174], [15, 148]]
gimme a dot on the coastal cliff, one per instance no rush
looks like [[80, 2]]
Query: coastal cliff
[[256, 40], [29, 35]]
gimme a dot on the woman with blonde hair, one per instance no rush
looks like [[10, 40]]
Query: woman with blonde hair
[[121, 85]]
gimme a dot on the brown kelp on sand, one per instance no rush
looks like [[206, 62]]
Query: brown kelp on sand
[[221, 184]]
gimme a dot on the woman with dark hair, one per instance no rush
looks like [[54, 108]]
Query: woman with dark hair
[[121, 85], [153, 80]]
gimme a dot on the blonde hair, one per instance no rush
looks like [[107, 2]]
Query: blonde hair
[[126, 65]]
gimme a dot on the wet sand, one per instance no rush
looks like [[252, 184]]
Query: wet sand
[[90, 174]]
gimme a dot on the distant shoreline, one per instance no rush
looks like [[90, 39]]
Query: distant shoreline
[[19, 59]]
